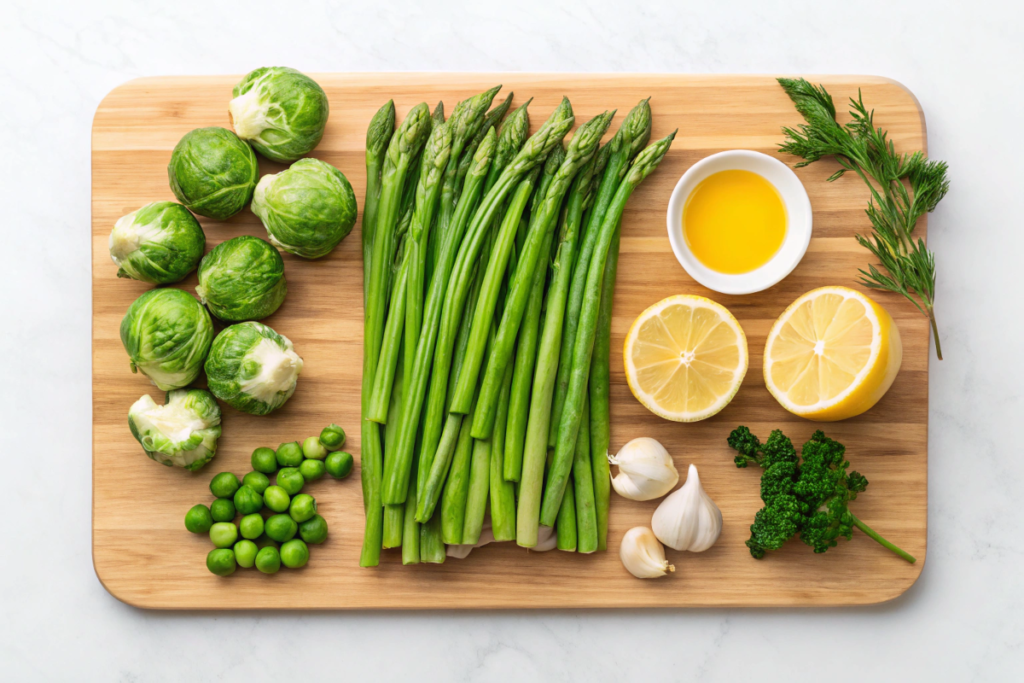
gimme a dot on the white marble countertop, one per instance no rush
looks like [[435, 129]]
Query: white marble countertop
[[963, 620]]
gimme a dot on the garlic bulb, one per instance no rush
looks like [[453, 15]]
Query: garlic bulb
[[646, 470], [642, 554], [688, 519]]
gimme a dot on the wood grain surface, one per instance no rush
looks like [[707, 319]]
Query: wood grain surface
[[145, 557]]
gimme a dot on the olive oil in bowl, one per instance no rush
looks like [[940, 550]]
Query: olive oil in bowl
[[734, 221]]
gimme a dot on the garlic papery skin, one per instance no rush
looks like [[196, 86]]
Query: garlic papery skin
[[646, 470], [547, 539], [642, 554], [688, 519]]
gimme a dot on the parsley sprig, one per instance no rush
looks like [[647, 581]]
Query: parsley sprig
[[903, 187]]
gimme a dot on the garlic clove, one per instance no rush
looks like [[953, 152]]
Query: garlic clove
[[642, 554], [646, 470], [547, 539], [688, 519]]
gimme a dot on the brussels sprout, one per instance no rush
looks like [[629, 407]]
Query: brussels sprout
[[213, 172], [252, 368], [307, 209], [242, 279], [281, 111], [160, 243], [182, 432], [167, 334]]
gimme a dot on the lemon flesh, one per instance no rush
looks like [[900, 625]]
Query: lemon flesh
[[832, 354], [685, 358]]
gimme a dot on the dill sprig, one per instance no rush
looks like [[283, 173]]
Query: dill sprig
[[903, 187]]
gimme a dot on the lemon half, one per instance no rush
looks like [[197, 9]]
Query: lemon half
[[832, 354], [685, 358]]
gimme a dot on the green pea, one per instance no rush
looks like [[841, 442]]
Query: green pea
[[332, 437], [222, 510], [291, 480], [289, 454], [339, 465], [251, 526], [268, 560], [221, 561], [312, 448], [247, 501], [314, 530], [198, 519], [224, 534], [265, 541], [281, 528], [311, 470], [257, 481], [276, 498], [224, 485], [245, 553], [294, 554], [302, 507], [264, 460]]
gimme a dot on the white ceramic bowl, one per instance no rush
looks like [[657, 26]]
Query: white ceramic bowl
[[798, 221]]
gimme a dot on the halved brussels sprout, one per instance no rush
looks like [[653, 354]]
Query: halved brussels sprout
[[167, 334], [280, 111], [213, 172], [242, 279], [160, 243], [252, 368], [181, 433], [307, 209]]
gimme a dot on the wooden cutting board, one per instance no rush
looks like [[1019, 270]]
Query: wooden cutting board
[[145, 557]]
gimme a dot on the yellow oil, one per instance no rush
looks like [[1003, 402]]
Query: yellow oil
[[734, 221]]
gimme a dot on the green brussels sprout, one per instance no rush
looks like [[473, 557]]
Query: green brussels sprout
[[280, 111], [213, 172], [167, 334], [183, 432], [307, 209], [160, 243], [242, 279], [252, 368]]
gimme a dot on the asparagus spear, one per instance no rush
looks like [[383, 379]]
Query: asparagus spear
[[583, 487], [433, 242], [453, 502], [394, 515], [523, 371], [535, 445], [479, 485], [431, 544], [581, 149], [378, 134], [401, 148], [600, 417], [410, 527], [533, 152], [631, 137], [583, 345], [428, 193], [502, 492], [565, 530], [428, 188]]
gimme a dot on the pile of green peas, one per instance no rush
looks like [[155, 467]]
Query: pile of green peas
[[271, 515]]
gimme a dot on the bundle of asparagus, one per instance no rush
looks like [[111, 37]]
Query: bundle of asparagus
[[489, 263]]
